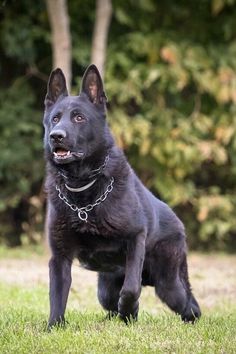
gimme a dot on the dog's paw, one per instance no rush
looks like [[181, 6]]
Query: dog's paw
[[128, 318], [129, 314], [111, 314], [192, 312], [56, 323]]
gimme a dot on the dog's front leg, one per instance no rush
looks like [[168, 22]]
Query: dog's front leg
[[60, 281], [128, 302]]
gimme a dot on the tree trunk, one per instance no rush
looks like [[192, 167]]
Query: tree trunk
[[100, 33], [61, 38]]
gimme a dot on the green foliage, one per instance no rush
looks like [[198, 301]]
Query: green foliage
[[21, 165], [171, 83], [173, 109], [20, 144]]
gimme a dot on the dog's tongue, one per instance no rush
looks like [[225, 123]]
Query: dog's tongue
[[61, 152]]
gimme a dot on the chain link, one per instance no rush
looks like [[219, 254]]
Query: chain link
[[99, 169], [83, 211]]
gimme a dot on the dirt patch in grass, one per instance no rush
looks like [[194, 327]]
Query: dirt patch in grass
[[33, 271], [212, 276]]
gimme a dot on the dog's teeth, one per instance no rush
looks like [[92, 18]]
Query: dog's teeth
[[68, 153], [54, 153]]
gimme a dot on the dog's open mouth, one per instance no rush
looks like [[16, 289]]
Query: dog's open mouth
[[62, 154]]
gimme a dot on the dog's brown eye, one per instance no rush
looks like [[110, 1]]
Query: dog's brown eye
[[55, 119], [78, 118]]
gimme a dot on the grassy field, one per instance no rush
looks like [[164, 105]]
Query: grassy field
[[24, 311]]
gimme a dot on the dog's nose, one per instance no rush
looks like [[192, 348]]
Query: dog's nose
[[57, 135]]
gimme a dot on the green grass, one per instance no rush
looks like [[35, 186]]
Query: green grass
[[23, 328], [28, 251], [24, 311]]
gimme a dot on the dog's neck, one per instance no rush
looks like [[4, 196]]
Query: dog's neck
[[78, 176], [84, 181], [83, 173]]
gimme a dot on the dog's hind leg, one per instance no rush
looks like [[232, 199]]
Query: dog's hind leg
[[192, 310], [171, 278], [109, 286]]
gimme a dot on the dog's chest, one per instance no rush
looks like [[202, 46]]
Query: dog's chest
[[96, 252], [95, 225], [90, 227]]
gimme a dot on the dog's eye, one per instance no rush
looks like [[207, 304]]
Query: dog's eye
[[78, 118], [56, 119]]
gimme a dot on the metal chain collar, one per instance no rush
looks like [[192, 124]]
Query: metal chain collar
[[83, 212], [99, 169]]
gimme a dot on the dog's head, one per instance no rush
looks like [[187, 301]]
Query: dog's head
[[75, 126]]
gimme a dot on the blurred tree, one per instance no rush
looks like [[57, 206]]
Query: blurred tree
[[61, 38], [100, 33]]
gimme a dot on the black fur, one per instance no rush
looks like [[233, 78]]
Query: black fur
[[131, 238]]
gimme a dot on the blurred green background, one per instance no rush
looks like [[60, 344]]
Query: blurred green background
[[171, 83]]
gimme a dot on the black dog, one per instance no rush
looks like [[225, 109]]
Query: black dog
[[100, 212]]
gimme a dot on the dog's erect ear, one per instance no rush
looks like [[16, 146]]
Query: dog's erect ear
[[92, 85], [56, 87]]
